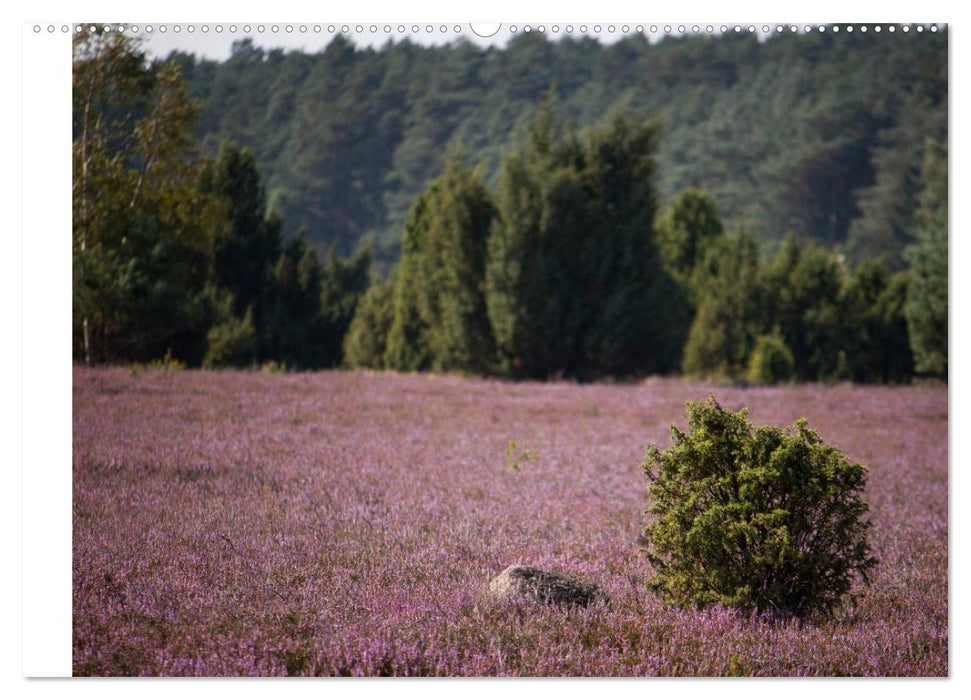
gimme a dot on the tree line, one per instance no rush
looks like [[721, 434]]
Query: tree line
[[818, 134], [560, 263], [176, 254], [567, 268]]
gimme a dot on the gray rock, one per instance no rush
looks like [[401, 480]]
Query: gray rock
[[529, 583]]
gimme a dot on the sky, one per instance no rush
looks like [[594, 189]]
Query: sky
[[216, 42]]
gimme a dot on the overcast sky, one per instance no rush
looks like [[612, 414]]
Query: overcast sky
[[216, 45], [214, 41]]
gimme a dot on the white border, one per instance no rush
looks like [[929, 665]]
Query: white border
[[47, 353]]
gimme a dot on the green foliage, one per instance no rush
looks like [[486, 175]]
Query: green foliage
[[300, 309], [407, 346], [771, 361], [163, 236], [550, 258], [244, 255], [820, 134], [876, 341], [232, 341], [367, 336], [143, 232], [139, 300], [765, 519], [729, 317], [293, 330], [516, 459], [926, 306], [440, 319], [574, 282], [890, 216], [167, 363], [351, 107], [684, 234], [926, 309], [801, 291], [342, 286], [802, 310]]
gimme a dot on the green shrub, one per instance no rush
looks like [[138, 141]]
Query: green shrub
[[232, 343], [771, 361], [367, 336], [165, 364], [516, 458], [765, 519]]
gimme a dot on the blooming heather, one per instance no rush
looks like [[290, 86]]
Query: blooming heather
[[239, 523]]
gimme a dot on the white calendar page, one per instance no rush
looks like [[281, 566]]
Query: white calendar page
[[243, 457]]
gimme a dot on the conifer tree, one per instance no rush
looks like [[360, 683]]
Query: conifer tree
[[440, 319], [730, 318], [244, 256], [575, 284], [684, 233], [367, 336]]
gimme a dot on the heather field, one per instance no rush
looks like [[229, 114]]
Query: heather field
[[242, 523]]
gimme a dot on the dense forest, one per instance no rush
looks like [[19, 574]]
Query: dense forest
[[718, 206], [821, 134]]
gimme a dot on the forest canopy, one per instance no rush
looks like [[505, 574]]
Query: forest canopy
[[821, 135], [724, 207]]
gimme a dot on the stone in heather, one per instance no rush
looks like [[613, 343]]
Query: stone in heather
[[527, 582]]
